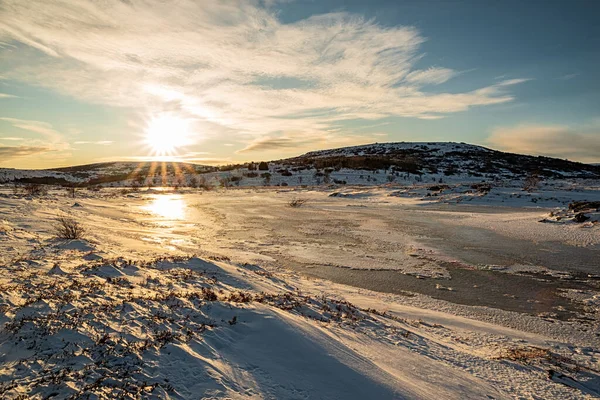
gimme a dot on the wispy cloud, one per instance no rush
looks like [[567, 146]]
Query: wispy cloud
[[12, 152], [431, 76], [46, 142], [577, 143], [509, 82], [99, 142], [297, 142], [6, 96], [42, 128], [206, 59], [569, 77]]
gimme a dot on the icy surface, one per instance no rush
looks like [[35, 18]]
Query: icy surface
[[195, 295]]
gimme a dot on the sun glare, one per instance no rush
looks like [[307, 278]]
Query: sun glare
[[166, 133], [169, 207]]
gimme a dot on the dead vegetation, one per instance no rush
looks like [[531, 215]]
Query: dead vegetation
[[296, 203], [579, 206], [68, 229], [30, 189], [532, 183], [172, 305], [532, 355]]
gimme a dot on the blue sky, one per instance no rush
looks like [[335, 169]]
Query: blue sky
[[235, 80]]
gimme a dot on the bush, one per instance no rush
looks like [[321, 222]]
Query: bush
[[297, 202], [531, 183], [482, 187], [67, 228], [71, 190], [34, 189]]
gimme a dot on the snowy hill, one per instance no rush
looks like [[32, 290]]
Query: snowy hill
[[103, 173], [403, 162], [394, 147], [447, 157]]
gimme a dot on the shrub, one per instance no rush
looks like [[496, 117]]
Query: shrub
[[531, 183], [482, 187], [34, 189], [297, 202], [67, 228], [71, 190]]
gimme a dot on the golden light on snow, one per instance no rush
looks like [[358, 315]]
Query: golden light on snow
[[166, 133], [170, 207]]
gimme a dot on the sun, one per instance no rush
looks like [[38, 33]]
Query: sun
[[166, 133]]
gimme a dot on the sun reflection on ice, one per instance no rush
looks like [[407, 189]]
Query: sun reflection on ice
[[170, 207]]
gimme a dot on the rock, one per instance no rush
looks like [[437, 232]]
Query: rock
[[56, 270], [580, 217], [578, 206]]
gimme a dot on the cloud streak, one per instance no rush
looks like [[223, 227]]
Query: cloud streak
[[99, 142], [576, 143], [42, 128], [12, 152], [207, 59], [296, 142]]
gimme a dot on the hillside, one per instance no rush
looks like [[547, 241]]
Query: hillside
[[373, 164], [104, 173], [449, 158]]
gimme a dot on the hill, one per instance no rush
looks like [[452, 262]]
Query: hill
[[403, 162], [446, 157], [104, 173]]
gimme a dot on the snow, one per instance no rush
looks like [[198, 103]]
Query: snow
[[409, 163], [191, 295]]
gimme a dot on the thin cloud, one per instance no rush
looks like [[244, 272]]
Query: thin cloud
[[11, 138], [510, 82], [6, 96], [569, 77], [49, 143], [298, 143], [206, 60], [431, 76], [100, 142], [12, 152], [575, 143], [43, 128]]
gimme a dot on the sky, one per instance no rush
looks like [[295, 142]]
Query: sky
[[228, 81]]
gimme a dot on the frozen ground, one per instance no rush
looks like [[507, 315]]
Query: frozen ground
[[379, 292]]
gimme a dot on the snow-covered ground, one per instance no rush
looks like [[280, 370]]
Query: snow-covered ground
[[450, 293]]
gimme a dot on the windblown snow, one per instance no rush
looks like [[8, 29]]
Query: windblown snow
[[446, 282]]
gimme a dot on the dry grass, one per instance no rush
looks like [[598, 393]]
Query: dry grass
[[297, 202], [68, 228], [524, 354]]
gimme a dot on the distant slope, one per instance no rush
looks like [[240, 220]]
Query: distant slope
[[446, 157], [403, 162], [101, 173]]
